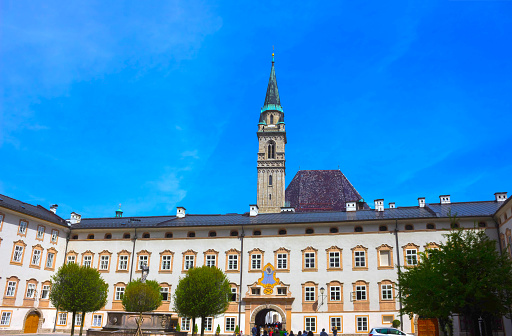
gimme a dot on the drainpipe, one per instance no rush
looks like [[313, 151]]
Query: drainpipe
[[399, 290], [57, 308], [242, 235], [133, 253]]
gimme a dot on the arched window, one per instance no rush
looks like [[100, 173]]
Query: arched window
[[126, 236], [333, 230], [271, 119], [409, 227], [310, 231], [168, 235], [383, 228], [74, 237], [191, 234], [212, 234], [431, 226], [256, 233], [108, 236], [233, 233], [482, 224], [271, 150], [270, 180], [270, 197], [282, 232], [146, 235], [91, 236], [358, 229]]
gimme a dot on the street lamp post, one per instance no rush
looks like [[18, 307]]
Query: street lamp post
[[322, 296]]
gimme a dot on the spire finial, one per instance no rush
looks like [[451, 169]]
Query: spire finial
[[272, 54]]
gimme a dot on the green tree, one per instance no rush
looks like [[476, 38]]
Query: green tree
[[203, 292], [466, 276], [141, 297], [78, 289]]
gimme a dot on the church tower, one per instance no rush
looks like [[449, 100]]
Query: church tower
[[271, 161]]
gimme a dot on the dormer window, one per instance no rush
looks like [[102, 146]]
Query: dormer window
[[271, 150]]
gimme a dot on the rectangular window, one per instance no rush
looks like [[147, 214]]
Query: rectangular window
[[97, 320], [387, 292], [11, 288], [232, 262], [185, 323], [36, 257], [55, 235], [334, 259], [49, 260], [104, 262], [164, 291], [310, 324], [211, 260], [360, 293], [31, 290], [189, 262], [362, 324], [63, 319], [143, 261], [309, 260], [411, 256], [71, 259], [119, 293], [255, 291], [23, 227], [282, 260], [87, 261], [309, 293], [166, 262], [18, 253], [230, 324], [385, 258], [359, 257], [45, 292], [40, 232], [78, 319], [6, 318], [335, 293], [336, 323], [256, 261], [233, 294], [208, 324], [281, 291], [123, 262]]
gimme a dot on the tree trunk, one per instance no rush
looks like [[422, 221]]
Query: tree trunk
[[73, 323], [82, 324], [193, 326], [202, 325]]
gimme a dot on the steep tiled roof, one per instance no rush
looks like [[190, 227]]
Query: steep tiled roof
[[430, 211], [31, 210], [320, 190], [272, 96]]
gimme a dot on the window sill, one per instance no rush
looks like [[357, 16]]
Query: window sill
[[104, 271], [359, 268], [310, 270], [165, 271], [17, 263], [35, 266], [334, 269], [122, 271], [385, 267]]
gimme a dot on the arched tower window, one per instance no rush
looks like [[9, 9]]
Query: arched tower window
[[271, 150], [270, 180], [271, 119]]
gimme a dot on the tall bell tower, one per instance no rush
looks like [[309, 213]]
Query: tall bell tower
[[272, 140]]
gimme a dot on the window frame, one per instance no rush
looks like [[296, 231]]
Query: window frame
[[388, 249], [22, 229], [309, 259], [104, 267], [232, 257], [210, 255], [7, 313], [167, 254], [120, 262], [15, 252], [39, 231], [282, 252], [50, 251], [186, 263], [140, 255], [93, 324], [359, 249], [406, 249], [226, 330], [311, 319], [340, 317], [334, 249], [54, 239], [59, 320], [40, 249], [88, 253], [357, 317]]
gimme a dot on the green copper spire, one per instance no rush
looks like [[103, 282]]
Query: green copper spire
[[272, 96]]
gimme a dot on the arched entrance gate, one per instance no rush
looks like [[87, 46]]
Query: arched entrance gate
[[32, 321], [259, 313]]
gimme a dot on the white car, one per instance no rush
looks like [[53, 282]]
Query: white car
[[383, 331]]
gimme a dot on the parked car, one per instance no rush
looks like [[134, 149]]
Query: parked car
[[383, 331]]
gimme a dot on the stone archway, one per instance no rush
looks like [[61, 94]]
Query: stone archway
[[262, 310], [33, 321]]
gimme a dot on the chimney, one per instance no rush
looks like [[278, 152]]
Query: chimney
[[500, 196], [253, 210], [421, 202], [379, 204], [53, 208], [392, 205], [444, 199], [75, 218], [181, 212], [287, 209], [350, 206]]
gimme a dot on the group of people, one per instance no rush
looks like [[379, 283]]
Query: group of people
[[275, 329]]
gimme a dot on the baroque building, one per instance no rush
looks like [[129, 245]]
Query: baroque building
[[324, 260]]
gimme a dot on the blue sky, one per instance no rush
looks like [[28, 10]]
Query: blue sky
[[155, 104]]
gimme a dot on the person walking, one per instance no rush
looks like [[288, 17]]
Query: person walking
[[323, 333], [254, 331], [334, 331], [310, 333]]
